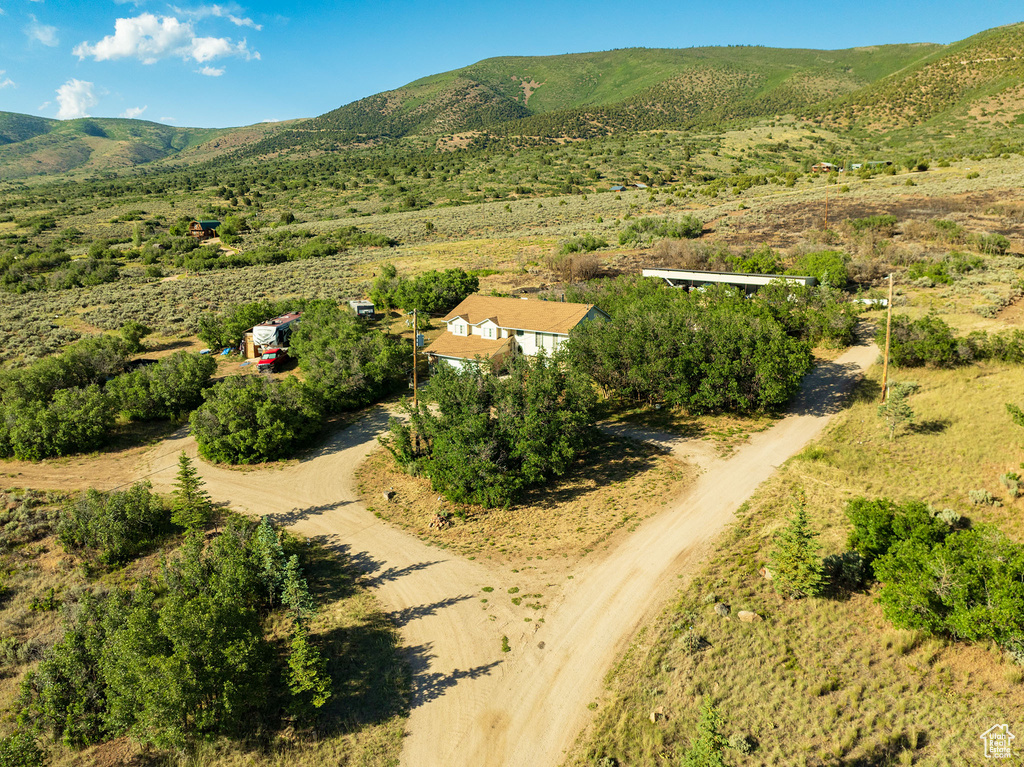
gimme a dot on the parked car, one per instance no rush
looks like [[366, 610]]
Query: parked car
[[272, 360]]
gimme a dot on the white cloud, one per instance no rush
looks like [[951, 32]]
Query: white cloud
[[211, 71], [42, 33], [150, 39], [75, 97], [132, 112], [168, 119], [43, 106], [6, 82], [232, 12]]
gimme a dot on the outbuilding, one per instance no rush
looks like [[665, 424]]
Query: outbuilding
[[203, 230]]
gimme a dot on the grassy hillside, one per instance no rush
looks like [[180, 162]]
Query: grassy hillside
[[33, 146], [664, 87]]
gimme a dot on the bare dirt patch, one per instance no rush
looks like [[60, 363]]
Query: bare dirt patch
[[616, 485]]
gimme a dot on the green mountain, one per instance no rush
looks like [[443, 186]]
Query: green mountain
[[33, 146], [621, 89]]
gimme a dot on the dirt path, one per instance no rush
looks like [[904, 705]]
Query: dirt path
[[474, 704]]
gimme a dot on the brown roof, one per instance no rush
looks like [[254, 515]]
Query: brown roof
[[545, 316], [467, 347]]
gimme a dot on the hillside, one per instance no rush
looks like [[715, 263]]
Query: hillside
[[980, 79], [34, 146], [636, 87]]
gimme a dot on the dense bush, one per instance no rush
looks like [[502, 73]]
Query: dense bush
[[643, 231], [170, 388], [117, 526], [968, 585], [879, 523], [706, 351], [345, 361], [433, 292], [925, 341], [485, 439], [586, 243], [251, 419], [828, 266]]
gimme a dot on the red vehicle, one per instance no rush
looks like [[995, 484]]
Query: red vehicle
[[272, 360]]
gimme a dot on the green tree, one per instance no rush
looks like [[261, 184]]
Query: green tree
[[133, 332], [191, 507], [896, 410], [308, 681], [708, 750], [251, 419], [794, 561]]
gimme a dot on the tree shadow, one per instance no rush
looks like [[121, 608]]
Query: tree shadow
[[408, 614], [288, 518], [373, 570], [886, 753], [430, 685], [931, 426], [345, 430], [826, 389], [608, 460]]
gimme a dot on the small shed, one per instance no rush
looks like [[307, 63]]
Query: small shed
[[362, 308], [824, 167], [203, 230], [617, 188]]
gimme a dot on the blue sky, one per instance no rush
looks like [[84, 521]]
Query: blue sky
[[227, 64]]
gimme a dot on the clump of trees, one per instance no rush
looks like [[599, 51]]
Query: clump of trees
[[348, 363], [643, 231], [69, 403], [486, 439], [252, 419], [433, 292], [706, 351], [940, 577], [117, 526], [929, 341], [185, 656], [828, 266]]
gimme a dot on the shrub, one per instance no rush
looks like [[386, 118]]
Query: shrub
[[969, 585], [116, 526], [251, 419], [583, 244], [171, 388], [1012, 482], [645, 230], [828, 266], [19, 749], [926, 341]]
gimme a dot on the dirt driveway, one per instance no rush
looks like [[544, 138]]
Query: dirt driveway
[[473, 703]]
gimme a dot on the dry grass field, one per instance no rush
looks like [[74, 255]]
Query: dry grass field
[[614, 486], [831, 682]]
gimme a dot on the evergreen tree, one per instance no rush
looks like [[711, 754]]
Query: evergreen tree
[[295, 593], [794, 562], [896, 410], [269, 558], [307, 675], [708, 750], [191, 507]]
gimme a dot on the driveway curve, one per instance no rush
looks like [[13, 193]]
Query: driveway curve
[[473, 703]]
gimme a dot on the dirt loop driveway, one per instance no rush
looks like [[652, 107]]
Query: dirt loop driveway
[[474, 704]]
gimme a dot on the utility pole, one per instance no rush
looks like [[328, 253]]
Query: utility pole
[[888, 333], [415, 338], [826, 206]]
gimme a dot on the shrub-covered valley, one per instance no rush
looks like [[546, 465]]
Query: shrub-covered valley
[[197, 558]]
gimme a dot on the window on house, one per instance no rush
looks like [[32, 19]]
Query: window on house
[[520, 333], [542, 340]]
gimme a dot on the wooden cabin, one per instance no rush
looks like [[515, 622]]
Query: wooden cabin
[[203, 230]]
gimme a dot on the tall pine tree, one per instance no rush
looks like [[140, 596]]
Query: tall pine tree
[[191, 507], [794, 562]]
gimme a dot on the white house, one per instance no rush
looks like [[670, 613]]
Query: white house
[[493, 328]]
